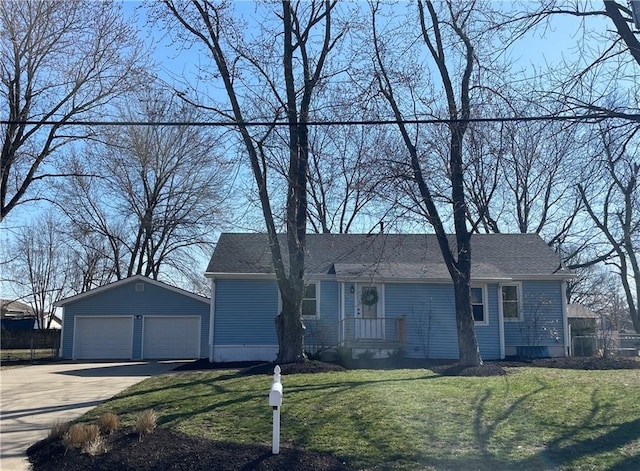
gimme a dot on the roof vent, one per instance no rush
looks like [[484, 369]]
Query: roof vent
[[139, 287]]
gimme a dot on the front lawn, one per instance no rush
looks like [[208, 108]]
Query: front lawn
[[533, 418]]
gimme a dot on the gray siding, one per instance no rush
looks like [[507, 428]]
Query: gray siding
[[125, 300]]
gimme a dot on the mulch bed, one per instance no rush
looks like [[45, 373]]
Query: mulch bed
[[256, 368], [445, 368], [166, 449], [441, 367], [584, 363]]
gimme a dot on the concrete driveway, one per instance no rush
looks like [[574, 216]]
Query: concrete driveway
[[34, 397]]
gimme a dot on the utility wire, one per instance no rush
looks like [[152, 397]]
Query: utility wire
[[595, 116]]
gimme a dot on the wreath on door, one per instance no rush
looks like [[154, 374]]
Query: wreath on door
[[369, 296]]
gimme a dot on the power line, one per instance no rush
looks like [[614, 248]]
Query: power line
[[585, 117]]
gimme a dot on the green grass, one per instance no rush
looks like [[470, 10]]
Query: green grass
[[534, 418]]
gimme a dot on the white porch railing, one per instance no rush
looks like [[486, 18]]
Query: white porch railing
[[356, 332]]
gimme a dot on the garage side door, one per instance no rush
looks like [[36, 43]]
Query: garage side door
[[103, 338], [176, 338]]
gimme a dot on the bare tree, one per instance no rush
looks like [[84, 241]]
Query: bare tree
[[91, 265], [537, 169], [442, 31], [602, 73], [60, 61], [611, 198], [344, 173], [41, 268], [281, 83], [160, 194]]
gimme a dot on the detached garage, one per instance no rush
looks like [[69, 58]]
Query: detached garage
[[133, 319]]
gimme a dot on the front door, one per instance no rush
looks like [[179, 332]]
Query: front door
[[369, 312]]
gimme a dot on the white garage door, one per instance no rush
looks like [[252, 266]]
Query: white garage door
[[176, 338], [103, 338]]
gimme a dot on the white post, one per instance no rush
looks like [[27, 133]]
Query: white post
[[275, 401], [275, 442]]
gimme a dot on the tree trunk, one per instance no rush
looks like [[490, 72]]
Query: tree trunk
[[300, 61], [290, 329], [467, 343]]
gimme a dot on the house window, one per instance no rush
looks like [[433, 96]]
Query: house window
[[511, 309], [478, 305], [310, 300]]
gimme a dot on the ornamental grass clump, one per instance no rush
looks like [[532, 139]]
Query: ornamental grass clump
[[95, 446], [58, 429], [146, 422], [108, 422], [79, 435]]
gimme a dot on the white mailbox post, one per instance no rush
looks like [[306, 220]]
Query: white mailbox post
[[275, 401]]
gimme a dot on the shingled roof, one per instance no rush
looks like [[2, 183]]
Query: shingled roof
[[391, 256]]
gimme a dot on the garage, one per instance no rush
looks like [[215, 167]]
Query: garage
[[171, 337], [136, 318], [103, 338]]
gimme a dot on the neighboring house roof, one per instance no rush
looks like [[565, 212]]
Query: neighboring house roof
[[391, 256], [131, 279], [56, 321], [15, 309], [579, 311]]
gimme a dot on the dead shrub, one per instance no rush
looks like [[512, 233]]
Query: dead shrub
[[58, 429], [146, 422], [79, 435], [95, 446], [108, 422]]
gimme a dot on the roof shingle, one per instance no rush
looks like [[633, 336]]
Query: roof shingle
[[401, 256]]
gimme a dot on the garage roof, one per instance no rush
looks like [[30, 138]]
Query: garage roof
[[131, 279]]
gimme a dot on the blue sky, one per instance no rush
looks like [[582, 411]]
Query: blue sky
[[537, 50]]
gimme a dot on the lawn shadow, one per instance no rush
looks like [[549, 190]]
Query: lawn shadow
[[613, 440], [556, 454], [484, 430]]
